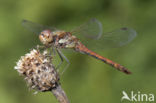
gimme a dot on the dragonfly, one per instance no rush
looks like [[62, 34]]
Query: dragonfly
[[92, 36]]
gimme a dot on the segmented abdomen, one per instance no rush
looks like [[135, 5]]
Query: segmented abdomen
[[81, 48]]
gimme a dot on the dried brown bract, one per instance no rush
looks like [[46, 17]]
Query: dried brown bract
[[38, 71], [40, 74]]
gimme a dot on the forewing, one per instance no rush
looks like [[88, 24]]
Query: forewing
[[34, 27], [91, 29]]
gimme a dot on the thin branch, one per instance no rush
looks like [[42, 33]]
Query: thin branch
[[60, 94]]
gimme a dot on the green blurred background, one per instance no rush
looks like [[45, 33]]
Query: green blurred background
[[86, 80]]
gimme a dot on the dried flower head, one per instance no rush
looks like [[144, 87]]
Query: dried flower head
[[38, 70]]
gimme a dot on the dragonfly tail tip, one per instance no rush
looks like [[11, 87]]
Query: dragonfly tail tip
[[127, 72]]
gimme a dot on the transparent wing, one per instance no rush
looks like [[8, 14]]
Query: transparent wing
[[91, 35], [91, 29], [34, 27]]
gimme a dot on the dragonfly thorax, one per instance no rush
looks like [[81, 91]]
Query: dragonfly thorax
[[46, 37], [64, 39], [59, 39]]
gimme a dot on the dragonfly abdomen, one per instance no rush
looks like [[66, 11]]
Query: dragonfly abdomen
[[81, 48]]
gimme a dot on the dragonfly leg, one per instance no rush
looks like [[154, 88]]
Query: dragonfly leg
[[38, 47], [53, 50], [62, 57]]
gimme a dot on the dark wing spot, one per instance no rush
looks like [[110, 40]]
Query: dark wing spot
[[124, 28]]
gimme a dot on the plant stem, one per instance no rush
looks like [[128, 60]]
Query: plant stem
[[60, 94]]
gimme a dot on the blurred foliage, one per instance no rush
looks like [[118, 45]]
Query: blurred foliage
[[86, 80]]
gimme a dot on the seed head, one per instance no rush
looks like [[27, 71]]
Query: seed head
[[38, 71]]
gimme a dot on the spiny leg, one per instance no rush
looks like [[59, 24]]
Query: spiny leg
[[47, 52], [60, 58], [52, 53], [38, 47], [61, 55], [53, 50]]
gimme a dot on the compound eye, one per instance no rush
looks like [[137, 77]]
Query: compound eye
[[46, 37]]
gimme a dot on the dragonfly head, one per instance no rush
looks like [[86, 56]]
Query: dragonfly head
[[46, 37]]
